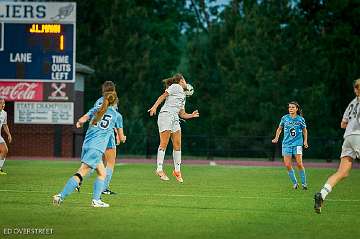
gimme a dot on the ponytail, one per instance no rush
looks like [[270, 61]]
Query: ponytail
[[110, 99], [172, 80]]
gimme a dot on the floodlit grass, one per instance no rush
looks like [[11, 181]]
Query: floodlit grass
[[213, 202]]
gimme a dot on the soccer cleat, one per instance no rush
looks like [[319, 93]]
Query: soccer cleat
[[57, 200], [304, 187], [318, 202], [99, 203], [108, 192], [295, 186], [77, 189], [162, 175], [178, 177], [2, 172]]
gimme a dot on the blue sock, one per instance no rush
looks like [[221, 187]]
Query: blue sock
[[70, 186], [292, 176], [98, 188], [109, 173], [303, 176]]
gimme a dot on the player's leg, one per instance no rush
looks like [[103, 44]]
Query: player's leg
[[109, 160], [92, 170], [349, 151], [300, 166], [72, 183], [99, 186], [3, 153], [287, 155], [164, 140], [341, 173], [176, 141]]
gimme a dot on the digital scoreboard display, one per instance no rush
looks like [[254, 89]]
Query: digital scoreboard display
[[37, 41]]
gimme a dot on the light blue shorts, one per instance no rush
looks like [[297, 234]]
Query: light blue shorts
[[292, 150], [112, 142], [91, 157]]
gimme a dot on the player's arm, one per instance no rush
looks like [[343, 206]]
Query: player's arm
[[343, 123], [161, 98], [345, 119], [277, 134], [83, 119], [305, 134], [7, 131], [120, 136], [185, 115]]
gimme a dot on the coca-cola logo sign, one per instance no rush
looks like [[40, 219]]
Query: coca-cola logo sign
[[21, 91]]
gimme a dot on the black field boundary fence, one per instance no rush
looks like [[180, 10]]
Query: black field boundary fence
[[209, 147]]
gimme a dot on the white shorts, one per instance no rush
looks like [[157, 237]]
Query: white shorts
[[168, 121], [351, 146], [2, 140]]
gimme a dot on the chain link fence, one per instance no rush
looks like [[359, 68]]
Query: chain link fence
[[210, 147]]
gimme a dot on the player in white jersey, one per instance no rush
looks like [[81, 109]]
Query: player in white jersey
[[350, 148], [3, 146], [168, 123]]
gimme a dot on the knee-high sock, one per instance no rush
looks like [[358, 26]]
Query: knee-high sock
[[302, 176], [325, 190], [70, 186], [160, 159], [2, 161], [292, 176], [109, 173], [177, 160], [98, 188]]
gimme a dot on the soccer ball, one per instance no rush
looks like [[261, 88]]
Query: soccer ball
[[189, 90]]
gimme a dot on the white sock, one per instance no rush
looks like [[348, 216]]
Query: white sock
[[2, 161], [325, 190], [177, 160], [160, 159]]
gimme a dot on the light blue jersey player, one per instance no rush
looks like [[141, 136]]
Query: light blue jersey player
[[295, 137], [293, 134], [98, 135], [112, 141], [103, 120], [110, 153]]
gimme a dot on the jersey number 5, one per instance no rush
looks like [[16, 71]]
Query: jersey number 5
[[105, 121]]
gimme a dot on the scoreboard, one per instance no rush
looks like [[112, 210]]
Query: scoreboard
[[37, 41]]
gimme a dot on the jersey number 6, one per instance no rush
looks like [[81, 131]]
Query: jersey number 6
[[292, 132]]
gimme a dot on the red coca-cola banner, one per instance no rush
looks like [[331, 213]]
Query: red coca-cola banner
[[21, 91]]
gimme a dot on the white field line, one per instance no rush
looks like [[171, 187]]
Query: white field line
[[184, 195]]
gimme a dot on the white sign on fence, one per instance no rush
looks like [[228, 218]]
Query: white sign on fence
[[44, 113]]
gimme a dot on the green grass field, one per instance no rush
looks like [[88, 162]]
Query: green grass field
[[213, 202]]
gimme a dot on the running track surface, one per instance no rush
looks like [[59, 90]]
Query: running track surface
[[201, 162]]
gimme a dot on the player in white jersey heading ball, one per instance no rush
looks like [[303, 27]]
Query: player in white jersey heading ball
[[168, 123], [350, 148], [3, 146]]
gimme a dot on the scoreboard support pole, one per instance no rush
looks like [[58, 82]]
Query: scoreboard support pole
[[58, 140]]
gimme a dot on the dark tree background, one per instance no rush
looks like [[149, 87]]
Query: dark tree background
[[245, 59]]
